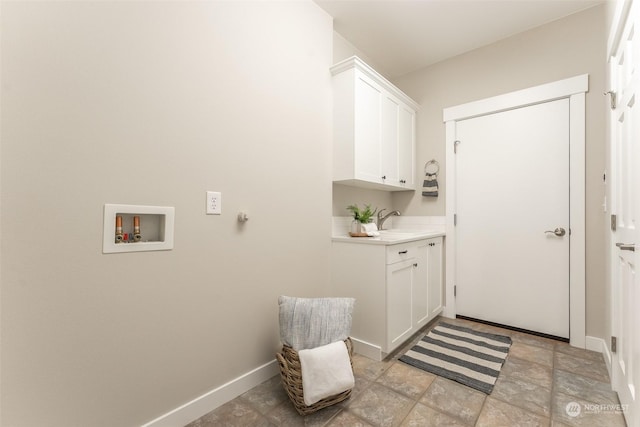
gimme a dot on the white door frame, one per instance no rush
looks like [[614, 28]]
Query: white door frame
[[625, 88], [574, 89]]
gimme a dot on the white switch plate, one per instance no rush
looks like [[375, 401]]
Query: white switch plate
[[214, 203]]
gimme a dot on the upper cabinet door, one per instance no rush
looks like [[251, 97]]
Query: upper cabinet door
[[406, 147], [374, 129], [390, 140], [367, 133]]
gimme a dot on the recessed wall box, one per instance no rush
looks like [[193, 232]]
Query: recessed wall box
[[155, 226]]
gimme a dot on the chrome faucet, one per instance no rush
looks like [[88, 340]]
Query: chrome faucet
[[382, 219]]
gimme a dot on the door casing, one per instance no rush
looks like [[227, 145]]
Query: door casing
[[574, 89], [624, 202]]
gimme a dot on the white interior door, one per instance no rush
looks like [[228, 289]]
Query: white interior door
[[625, 159], [512, 193]]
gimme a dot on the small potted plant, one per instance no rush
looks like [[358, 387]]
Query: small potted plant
[[360, 216]]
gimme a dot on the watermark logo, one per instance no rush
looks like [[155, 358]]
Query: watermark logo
[[573, 409]]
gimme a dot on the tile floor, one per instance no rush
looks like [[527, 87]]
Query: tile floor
[[539, 380]]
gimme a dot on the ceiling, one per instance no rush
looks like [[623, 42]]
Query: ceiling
[[402, 36]]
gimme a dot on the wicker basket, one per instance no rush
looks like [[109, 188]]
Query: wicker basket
[[292, 381]]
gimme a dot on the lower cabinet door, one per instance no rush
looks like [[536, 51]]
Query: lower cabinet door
[[399, 302], [435, 278], [421, 310]]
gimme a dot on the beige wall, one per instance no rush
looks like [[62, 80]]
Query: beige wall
[[344, 195], [565, 48], [343, 49], [154, 103]]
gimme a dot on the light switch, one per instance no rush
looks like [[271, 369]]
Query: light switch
[[214, 203]]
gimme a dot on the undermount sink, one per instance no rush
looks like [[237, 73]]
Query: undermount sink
[[402, 232], [396, 234], [392, 236]]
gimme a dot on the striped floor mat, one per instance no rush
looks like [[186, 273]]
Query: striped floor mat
[[461, 354]]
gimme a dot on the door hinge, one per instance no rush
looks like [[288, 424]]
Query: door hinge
[[614, 222], [614, 344], [613, 98], [455, 219], [455, 290], [455, 146]]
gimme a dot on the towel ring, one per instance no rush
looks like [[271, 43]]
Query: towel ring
[[432, 162]]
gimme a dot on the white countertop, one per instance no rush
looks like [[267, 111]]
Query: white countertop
[[390, 237]]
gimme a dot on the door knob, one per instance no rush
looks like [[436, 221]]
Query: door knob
[[626, 246], [558, 231]]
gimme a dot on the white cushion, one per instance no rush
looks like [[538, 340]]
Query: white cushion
[[312, 322]]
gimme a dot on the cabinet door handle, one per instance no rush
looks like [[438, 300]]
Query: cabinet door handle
[[403, 252], [384, 176], [415, 264]]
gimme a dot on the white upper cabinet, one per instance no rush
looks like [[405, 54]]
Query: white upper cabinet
[[374, 129]]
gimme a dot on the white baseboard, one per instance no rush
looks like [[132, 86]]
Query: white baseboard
[[209, 401], [367, 349], [599, 345], [608, 359], [595, 344]]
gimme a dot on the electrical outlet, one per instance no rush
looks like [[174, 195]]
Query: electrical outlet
[[214, 203]]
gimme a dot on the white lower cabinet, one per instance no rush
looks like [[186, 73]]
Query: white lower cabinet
[[397, 287]]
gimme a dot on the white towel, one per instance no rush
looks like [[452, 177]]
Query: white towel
[[326, 371], [371, 229]]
